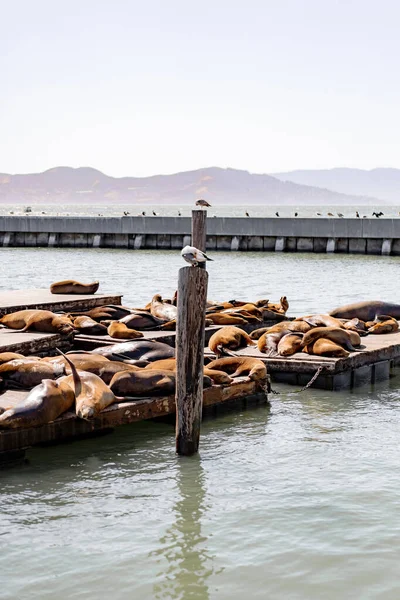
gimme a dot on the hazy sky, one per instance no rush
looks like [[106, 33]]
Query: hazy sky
[[143, 87]]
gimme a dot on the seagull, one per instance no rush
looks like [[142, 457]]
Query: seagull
[[357, 214], [143, 214], [296, 214], [154, 213], [202, 203], [247, 214], [194, 256], [340, 215], [277, 214], [330, 214], [179, 213], [126, 213], [319, 215], [377, 215]]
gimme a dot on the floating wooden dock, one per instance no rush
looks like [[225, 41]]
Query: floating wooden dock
[[14, 442], [44, 299], [33, 342], [378, 355]]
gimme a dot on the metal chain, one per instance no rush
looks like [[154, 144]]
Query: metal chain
[[313, 378]]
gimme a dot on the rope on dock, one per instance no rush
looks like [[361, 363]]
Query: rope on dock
[[313, 378]]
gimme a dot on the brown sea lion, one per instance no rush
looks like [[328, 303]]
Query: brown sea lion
[[92, 395], [142, 321], [324, 347], [229, 338], [335, 334], [120, 331], [280, 307], [226, 319], [94, 363], [44, 404], [143, 382], [249, 308], [79, 359], [367, 310], [27, 374], [89, 326], [384, 324], [238, 312], [268, 342], [321, 321], [69, 286], [107, 311], [162, 310], [290, 344], [239, 366], [7, 356], [169, 364], [38, 320]]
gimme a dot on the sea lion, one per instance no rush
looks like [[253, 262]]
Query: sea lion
[[44, 404], [38, 320], [7, 356], [120, 331], [249, 308], [321, 321], [92, 395], [278, 327], [143, 382], [89, 326], [226, 319], [69, 286], [229, 338], [384, 324], [367, 310], [146, 350], [162, 310], [142, 321], [238, 366], [290, 344], [335, 334], [107, 311], [238, 312], [268, 342], [280, 307], [324, 347], [169, 364], [94, 363], [27, 374]]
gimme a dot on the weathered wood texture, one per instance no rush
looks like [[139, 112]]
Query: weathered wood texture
[[192, 296], [69, 426], [199, 229], [12, 301], [33, 342]]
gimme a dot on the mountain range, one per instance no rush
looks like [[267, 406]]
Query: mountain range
[[69, 185]]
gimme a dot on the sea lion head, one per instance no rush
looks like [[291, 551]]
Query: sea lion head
[[63, 325], [157, 298]]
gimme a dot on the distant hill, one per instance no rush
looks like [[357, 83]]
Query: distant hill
[[380, 183], [222, 186]]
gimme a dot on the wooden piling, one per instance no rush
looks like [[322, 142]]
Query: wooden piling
[[192, 299]]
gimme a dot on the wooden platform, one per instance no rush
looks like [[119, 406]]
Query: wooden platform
[[378, 355], [68, 426], [33, 342], [44, 299]]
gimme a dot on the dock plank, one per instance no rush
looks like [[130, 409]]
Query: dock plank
[[32, 342]]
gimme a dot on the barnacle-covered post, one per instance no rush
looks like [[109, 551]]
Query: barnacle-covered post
[[192, 299]]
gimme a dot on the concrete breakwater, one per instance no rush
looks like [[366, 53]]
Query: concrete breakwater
[[362, 236]]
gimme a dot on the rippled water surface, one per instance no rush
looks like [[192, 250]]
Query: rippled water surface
[[297, 501]]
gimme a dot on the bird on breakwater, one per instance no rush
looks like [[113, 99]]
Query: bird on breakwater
[[277, 214], [319, 215], [202, 203], [247, 214], [296, 214], [154, 213], [377, 215], [126, 213], [143, 214], [330, 214], [340, 215], [357, 214], [194, 256], [179, 213]]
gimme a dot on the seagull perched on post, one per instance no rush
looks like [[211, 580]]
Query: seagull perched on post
[[194, 256], [202, 203]]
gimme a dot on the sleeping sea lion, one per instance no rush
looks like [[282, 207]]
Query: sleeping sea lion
[[94, 363], [143, 382], [148, 350], [335, 334], [44, 404], [27, 374], [238, 366], [6, 356], [289, 344], [367, 310], [249, 308], [321, 321], [141, 321], [120, 331], [384, 324], [107, 311], [169, 364], [268, 342], [226, 319], [324, 347], [92, 395], [162, 310], [69, 286], [38, 320], [89, 326], [229, 338]]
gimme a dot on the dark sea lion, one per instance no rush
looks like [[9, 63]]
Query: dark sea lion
[[89, 326], [38, 320], [163, 310], [239, 366], [290, 344], [384, 324], [335, 334], [143, 383], [229, 338], [92, 395], [142, 321], [325, 347], [44, 404], [107, 311], [147, 350], [7, 356], [120, 331], [70, 286], [367, 310], [27, 374]]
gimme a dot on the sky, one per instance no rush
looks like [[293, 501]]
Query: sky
[[146, 87]]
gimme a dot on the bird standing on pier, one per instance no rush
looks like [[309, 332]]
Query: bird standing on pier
[[143, 214], [340, 215], [330, 214], [296, 214], [277, 214], [377, 215], [247, 214], [179, 213], [194, 256], [357, 214], [154, 213], [202, 203]]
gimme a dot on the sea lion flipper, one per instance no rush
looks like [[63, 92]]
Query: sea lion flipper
[[75, 374]]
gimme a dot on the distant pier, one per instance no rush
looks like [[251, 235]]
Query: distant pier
[[332, 235]]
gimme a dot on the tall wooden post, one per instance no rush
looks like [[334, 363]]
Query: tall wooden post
[[192, 298]]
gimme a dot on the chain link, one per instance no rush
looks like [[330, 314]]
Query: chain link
[[313, 378]]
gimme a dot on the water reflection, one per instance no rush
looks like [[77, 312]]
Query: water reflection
[[184, 546]]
